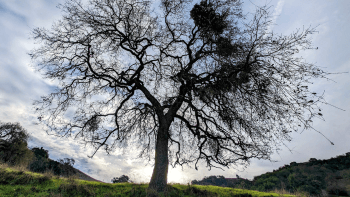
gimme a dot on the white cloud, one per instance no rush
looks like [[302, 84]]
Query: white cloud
[[276, 13]]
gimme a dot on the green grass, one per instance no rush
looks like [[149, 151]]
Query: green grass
[[18, 181]]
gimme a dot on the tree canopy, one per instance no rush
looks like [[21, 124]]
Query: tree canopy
[[13, 144], [187, 82]]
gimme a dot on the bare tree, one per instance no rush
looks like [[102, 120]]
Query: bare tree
[[187, 82]]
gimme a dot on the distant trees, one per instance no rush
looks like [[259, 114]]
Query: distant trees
[[222, 181], [42, 163], [14, 151], [121, 179], [66, 166], [311, 160], [212, 180]]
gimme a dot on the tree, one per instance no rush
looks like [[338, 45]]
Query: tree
[[67, 166], [11, 132], [312, 160], [122, 179], [41, 161], [191, 82], [13, 144], [55, 167], [40, 152]]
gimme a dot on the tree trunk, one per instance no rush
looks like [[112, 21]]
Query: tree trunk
[[160, 171]]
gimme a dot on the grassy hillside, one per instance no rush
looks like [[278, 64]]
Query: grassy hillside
[[18, 181], [330, 175], [315, 177]]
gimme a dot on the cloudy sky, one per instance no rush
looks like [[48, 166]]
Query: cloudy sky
[[20, 86]]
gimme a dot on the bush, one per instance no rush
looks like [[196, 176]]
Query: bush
[[339, 190], [39, 165], [309, 189], [55, 167]]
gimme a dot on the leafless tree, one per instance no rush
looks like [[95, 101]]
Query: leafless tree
[[190, 81]]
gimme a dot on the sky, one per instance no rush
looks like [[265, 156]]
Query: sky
[[20, 85]]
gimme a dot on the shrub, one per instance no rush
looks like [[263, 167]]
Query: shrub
[[336, 189], [309, 189], [38, 165]]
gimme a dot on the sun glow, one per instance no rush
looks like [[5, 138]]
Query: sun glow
[[176, 175], [144, 176]]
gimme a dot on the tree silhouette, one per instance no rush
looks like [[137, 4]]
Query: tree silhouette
[[188, 82], [121, 179], [41, 161], [13, 144], [12, 132], [67, 166]]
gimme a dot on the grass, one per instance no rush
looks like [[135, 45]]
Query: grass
[[19, 181]]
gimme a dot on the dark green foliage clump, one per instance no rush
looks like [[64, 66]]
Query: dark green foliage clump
[[338, 190], [42, 163], [212, 180], [223, 182], [14, 151], [13, 144], [39, 165], [122, 179], [40, 153]]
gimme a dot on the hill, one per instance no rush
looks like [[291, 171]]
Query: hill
[[81, 175], [62, 167], [316, 177]]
